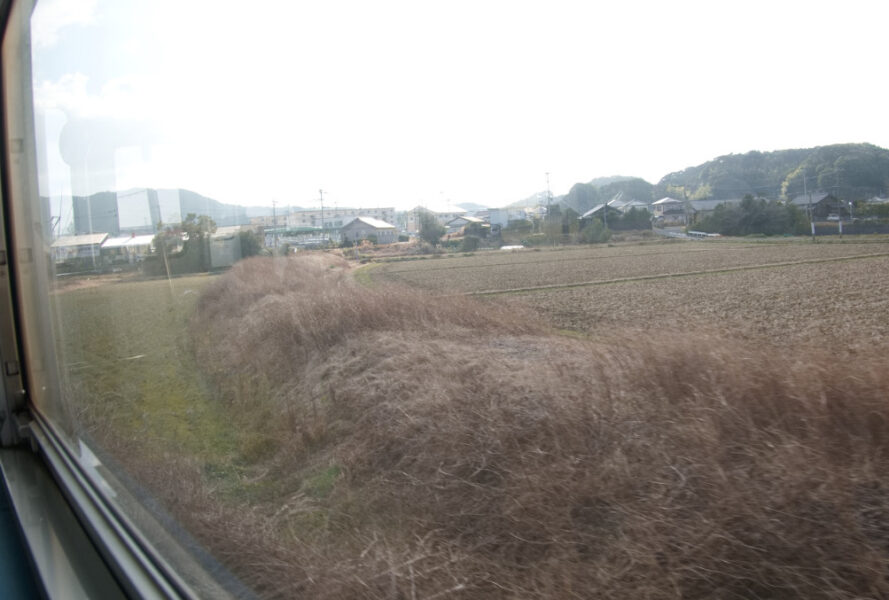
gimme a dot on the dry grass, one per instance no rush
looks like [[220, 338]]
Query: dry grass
[[430, 447]]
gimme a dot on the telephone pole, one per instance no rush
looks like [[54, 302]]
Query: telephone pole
[[549, 195], [275, 223], [811, 216]]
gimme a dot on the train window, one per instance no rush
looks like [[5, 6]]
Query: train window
[[301, 310]]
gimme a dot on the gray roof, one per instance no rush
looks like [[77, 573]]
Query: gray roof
[[712, 204], [803, 199], [467, 219], [79, 240], [667, 200], [130, 240], [596, 209], [375, 223]]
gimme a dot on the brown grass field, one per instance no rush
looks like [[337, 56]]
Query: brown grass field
[[682, 420]]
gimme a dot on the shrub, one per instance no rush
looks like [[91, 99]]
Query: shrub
[[470, 243]]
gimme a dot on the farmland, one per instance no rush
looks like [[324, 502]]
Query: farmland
[[785, 293], [666, 420]]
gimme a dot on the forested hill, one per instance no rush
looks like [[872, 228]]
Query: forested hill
[[584, 196], [849, 171]]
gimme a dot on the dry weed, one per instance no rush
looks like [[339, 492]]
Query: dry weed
[[430, 447]]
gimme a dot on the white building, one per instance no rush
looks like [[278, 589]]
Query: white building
[[442, 213], [335, 218]]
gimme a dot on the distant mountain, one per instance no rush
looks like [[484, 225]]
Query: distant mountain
[[603, 181], [533, 200], [140, 210], [849, 171]]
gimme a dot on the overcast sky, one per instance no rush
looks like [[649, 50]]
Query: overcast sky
[[391, 103]]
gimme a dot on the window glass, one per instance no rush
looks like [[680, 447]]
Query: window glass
[[495, 299]]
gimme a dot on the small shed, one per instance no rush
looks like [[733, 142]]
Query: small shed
[[127, 249], [362, 228], [73, 247]]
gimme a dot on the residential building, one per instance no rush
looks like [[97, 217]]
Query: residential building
[[442, 213], [362, 228], [335, 218]]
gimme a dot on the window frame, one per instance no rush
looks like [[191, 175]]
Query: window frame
[[129, 540]]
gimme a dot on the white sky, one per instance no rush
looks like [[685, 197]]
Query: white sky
[[392, 103]]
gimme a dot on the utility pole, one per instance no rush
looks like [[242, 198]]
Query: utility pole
[[549, 195], [321, 194], [275, 223], [811, 216]]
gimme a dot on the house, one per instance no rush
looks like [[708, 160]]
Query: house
[[631, 204], [623, 202], [666, 206], [502, 216], [669, 211], [600, 212], [820, 205], [442, 213], [457, 224], [86, 247], [362, 228]]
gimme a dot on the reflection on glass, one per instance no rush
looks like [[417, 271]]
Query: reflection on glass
[[542, 385]]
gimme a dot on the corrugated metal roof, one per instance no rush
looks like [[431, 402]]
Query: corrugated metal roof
[[79, 240], [375, 223], [596, 209], [140, 240], [592, 211], [130, 240], [667, 200], [118, 242]]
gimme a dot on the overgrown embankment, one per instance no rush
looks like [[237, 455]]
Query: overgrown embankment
[[414, 446]]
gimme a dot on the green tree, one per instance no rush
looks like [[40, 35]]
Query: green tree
[[755, 216], [198, 229], [470, 243], [477, 229], [570, 221], [430, 229], [552, 223], [635, 218], [251, 243], [594, 233]]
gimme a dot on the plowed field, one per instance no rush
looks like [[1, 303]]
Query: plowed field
[[785, 293]]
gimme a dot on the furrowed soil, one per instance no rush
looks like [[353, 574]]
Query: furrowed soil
[[782, 293], [677, 420]]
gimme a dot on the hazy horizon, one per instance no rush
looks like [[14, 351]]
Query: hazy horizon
[[398, 104]]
